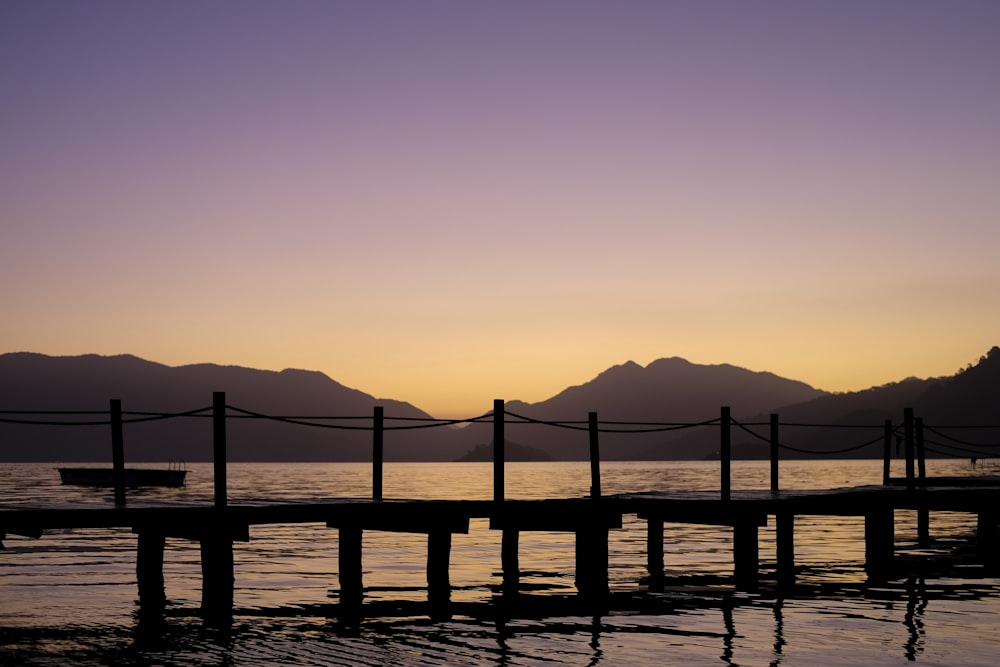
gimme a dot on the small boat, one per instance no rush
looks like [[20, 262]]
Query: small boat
[[134, 477]]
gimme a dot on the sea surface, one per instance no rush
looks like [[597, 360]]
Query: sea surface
[[69, 597]]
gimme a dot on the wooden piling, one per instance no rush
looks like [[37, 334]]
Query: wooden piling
[[988, 536], [438, 581], [509, 561], [908, 443], [746, 554], [595, 457], [149, 571], [923, 514], [377, 453], [725, 453], [886, 452], [654, 553], [217, 578], [880, 543], [498, 450], [219, 447], [592, 562], [785, 545], [349, 561], [775, 445], [118, 452], [918, 427]]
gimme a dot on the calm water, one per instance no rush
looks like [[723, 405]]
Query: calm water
[[69, 597]]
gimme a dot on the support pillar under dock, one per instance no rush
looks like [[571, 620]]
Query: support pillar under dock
[[746, 555], [654, 554], [880, 543], [785, 546], [149, 572], [349, 562], [438, 579], [217, 579], [592, 562], [988, 536], [509, 561]]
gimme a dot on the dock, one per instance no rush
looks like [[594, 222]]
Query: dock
[[590, 520]]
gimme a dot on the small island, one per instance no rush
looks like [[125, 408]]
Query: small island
[[512, 452]]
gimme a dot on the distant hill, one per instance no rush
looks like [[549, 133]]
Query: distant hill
[[39, 382], [512, 452], [969, 398], [673, 390]]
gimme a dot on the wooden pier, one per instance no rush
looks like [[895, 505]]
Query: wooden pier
[[590, 519]]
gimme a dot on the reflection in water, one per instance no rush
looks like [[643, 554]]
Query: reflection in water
[[779, 632], [727, 620], [916, 604]]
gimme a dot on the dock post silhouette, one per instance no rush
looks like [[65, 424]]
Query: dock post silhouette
[[118, 451], [498, 450], [775, 443], [725, 453], [377, 453]]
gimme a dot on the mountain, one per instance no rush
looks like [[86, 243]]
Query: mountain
[[967, 399], [667, 390], [37, 382]]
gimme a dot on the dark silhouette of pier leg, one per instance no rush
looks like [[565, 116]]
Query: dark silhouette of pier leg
[[438, 581], [746, 554], [509, 561], [785, 538], [118, 452], [217, 579], [988, 537], [923, 527], [349, 560], [149, 573], [880, 543], [592, 564], [654, 553]]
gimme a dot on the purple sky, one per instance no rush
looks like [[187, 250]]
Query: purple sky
[[447, 202]]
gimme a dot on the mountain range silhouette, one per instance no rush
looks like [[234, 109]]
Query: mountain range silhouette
[[667, 390]]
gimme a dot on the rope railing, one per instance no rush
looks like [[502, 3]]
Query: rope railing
[[911, 432], [937, 432], [843, 450]]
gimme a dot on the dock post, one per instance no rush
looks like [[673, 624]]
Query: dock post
[[377, 453], [774, 453], [988, 535], [509, 561], [908, 437], [746, 554], [438, 581], [498, 453], [149, 572], [886, 452], [725, 453], [785, 539], [595, 457], [219, 447], [118, 452], [880, 542], [592, 563], [918, 424], [654, 552], [923, 514], [217, 577], [349, 561]]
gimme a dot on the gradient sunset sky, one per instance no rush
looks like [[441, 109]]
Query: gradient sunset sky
[[450, 202]]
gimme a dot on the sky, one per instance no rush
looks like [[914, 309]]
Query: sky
[[447, 202]]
